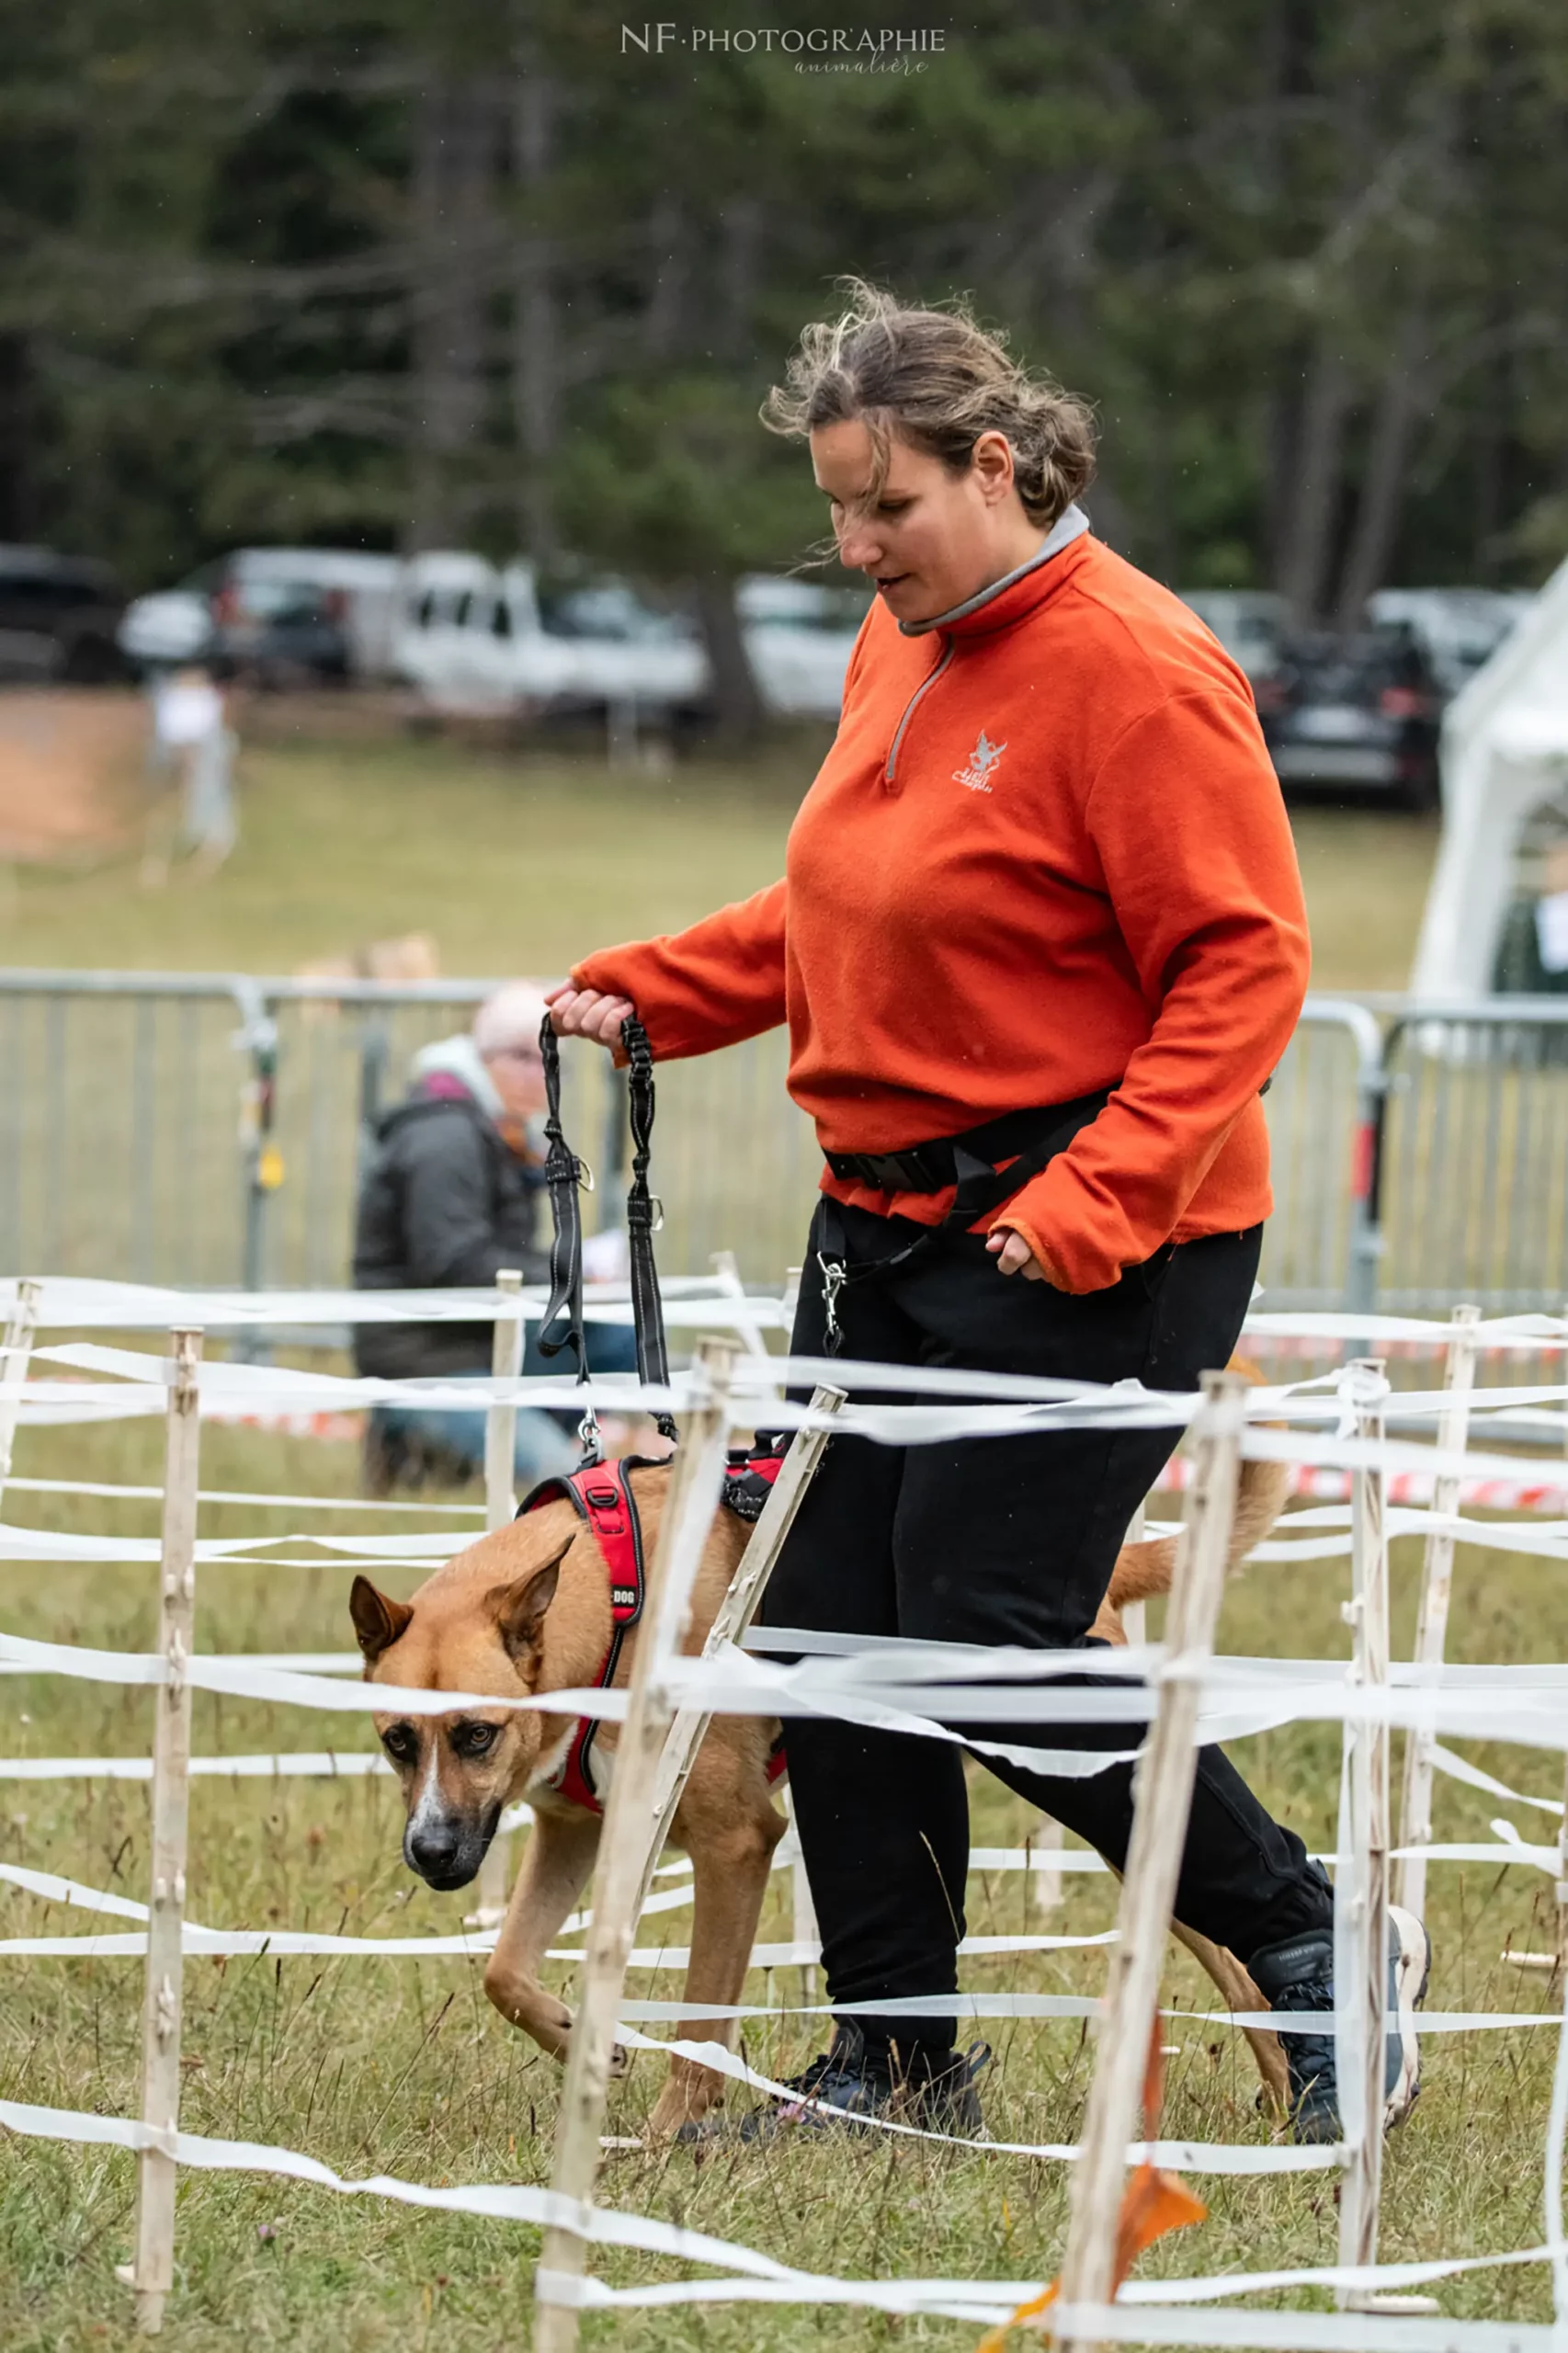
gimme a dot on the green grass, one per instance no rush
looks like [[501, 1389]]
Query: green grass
[[522, 863], [375, 2065]]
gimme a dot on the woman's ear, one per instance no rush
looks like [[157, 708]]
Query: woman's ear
[[992, 457]]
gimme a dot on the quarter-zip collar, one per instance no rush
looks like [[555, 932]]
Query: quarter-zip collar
[[890, 769], [1016, 594]]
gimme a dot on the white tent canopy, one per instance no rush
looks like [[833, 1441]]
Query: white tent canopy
[[1505, 752]]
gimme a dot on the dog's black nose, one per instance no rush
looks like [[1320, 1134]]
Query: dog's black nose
[[432, 1848]]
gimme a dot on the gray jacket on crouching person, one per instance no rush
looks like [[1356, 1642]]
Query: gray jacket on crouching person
[[443, 1199]]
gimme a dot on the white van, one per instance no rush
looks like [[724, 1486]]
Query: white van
[[474, 639]]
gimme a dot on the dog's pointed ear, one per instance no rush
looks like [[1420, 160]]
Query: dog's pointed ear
[[519, 1607], [377, 1620]]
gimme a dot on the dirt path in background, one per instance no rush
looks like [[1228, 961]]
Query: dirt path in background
[[68, 765]]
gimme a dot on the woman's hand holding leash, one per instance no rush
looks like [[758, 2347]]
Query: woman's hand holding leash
[[587, 1013], [1013, 1254]]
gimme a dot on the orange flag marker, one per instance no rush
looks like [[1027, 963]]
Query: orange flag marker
[[1152, 2203]]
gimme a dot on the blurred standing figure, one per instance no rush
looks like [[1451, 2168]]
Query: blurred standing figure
[[191, 736], [451, 1194]]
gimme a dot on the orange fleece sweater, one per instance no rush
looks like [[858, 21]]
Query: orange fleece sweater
[[1045, 855]]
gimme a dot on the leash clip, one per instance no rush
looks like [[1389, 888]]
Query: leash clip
[[834, 1276]]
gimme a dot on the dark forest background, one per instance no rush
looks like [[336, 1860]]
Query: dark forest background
[[404, 274]]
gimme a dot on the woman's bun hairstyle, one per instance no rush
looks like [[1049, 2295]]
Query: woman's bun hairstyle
[[936, 379]]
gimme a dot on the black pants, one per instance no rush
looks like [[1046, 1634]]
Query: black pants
[[995, 1541]]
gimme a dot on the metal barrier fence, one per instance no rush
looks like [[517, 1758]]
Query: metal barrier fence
[[208, 1129], [1469, 1176]]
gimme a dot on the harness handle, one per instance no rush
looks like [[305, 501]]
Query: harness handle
[[563, 1174], [647, 1309]]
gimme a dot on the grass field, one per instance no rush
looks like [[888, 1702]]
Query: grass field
[[522, 863], [401, 2067]]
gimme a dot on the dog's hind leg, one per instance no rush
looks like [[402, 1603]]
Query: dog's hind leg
[[1238, 1993], [730, 1867], [557, 1861]]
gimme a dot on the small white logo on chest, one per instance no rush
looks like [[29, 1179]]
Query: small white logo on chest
[[982, 762]]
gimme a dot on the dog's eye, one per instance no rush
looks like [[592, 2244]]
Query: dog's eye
[[401, 1743], [475, 1740]]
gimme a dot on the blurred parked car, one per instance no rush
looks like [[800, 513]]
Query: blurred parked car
[[800, 635], [1457, 629], [1361, 709], [58, 618], [474, 639], [1251, 625], [278, 612]]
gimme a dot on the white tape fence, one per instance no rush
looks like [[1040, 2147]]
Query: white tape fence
[[1331, 1432]]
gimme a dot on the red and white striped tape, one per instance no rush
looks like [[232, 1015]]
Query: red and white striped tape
[[332, 1425], [1403, 1487]]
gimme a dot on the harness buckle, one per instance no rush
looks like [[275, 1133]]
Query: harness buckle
[[585, 1177]]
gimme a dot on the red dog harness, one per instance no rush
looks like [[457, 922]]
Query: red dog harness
[[601, 1496]]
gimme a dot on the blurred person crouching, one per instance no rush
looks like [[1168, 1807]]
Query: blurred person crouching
[[451, 1194]]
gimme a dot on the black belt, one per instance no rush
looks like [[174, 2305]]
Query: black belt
[[950, 1160], [1027, 1141]]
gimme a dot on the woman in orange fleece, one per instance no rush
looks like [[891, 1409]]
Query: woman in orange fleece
[[1040, 943]]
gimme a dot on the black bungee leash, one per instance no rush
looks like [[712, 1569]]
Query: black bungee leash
[[565, 1174]]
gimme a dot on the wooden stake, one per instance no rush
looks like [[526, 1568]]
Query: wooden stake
[[20, 1325], [154, 2267], [1135, 1616], [1166, 1766], [500, 1510], [1560, 1956], [1046, 1844], [1365, 1930], [1561, 1889], [737, 1609], [1557, 1959], [501, 1421], [735, 1615], [1432, 1622], [696, 1484]]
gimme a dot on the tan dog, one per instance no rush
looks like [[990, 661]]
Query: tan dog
[[527, 1611]]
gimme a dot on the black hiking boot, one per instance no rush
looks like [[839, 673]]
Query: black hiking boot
[[861, 2082], [1298, 1974]]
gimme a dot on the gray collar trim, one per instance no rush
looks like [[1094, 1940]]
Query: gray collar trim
[[1070, 525]]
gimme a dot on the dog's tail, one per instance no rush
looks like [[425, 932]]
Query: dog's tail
[[1144, 1571]]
